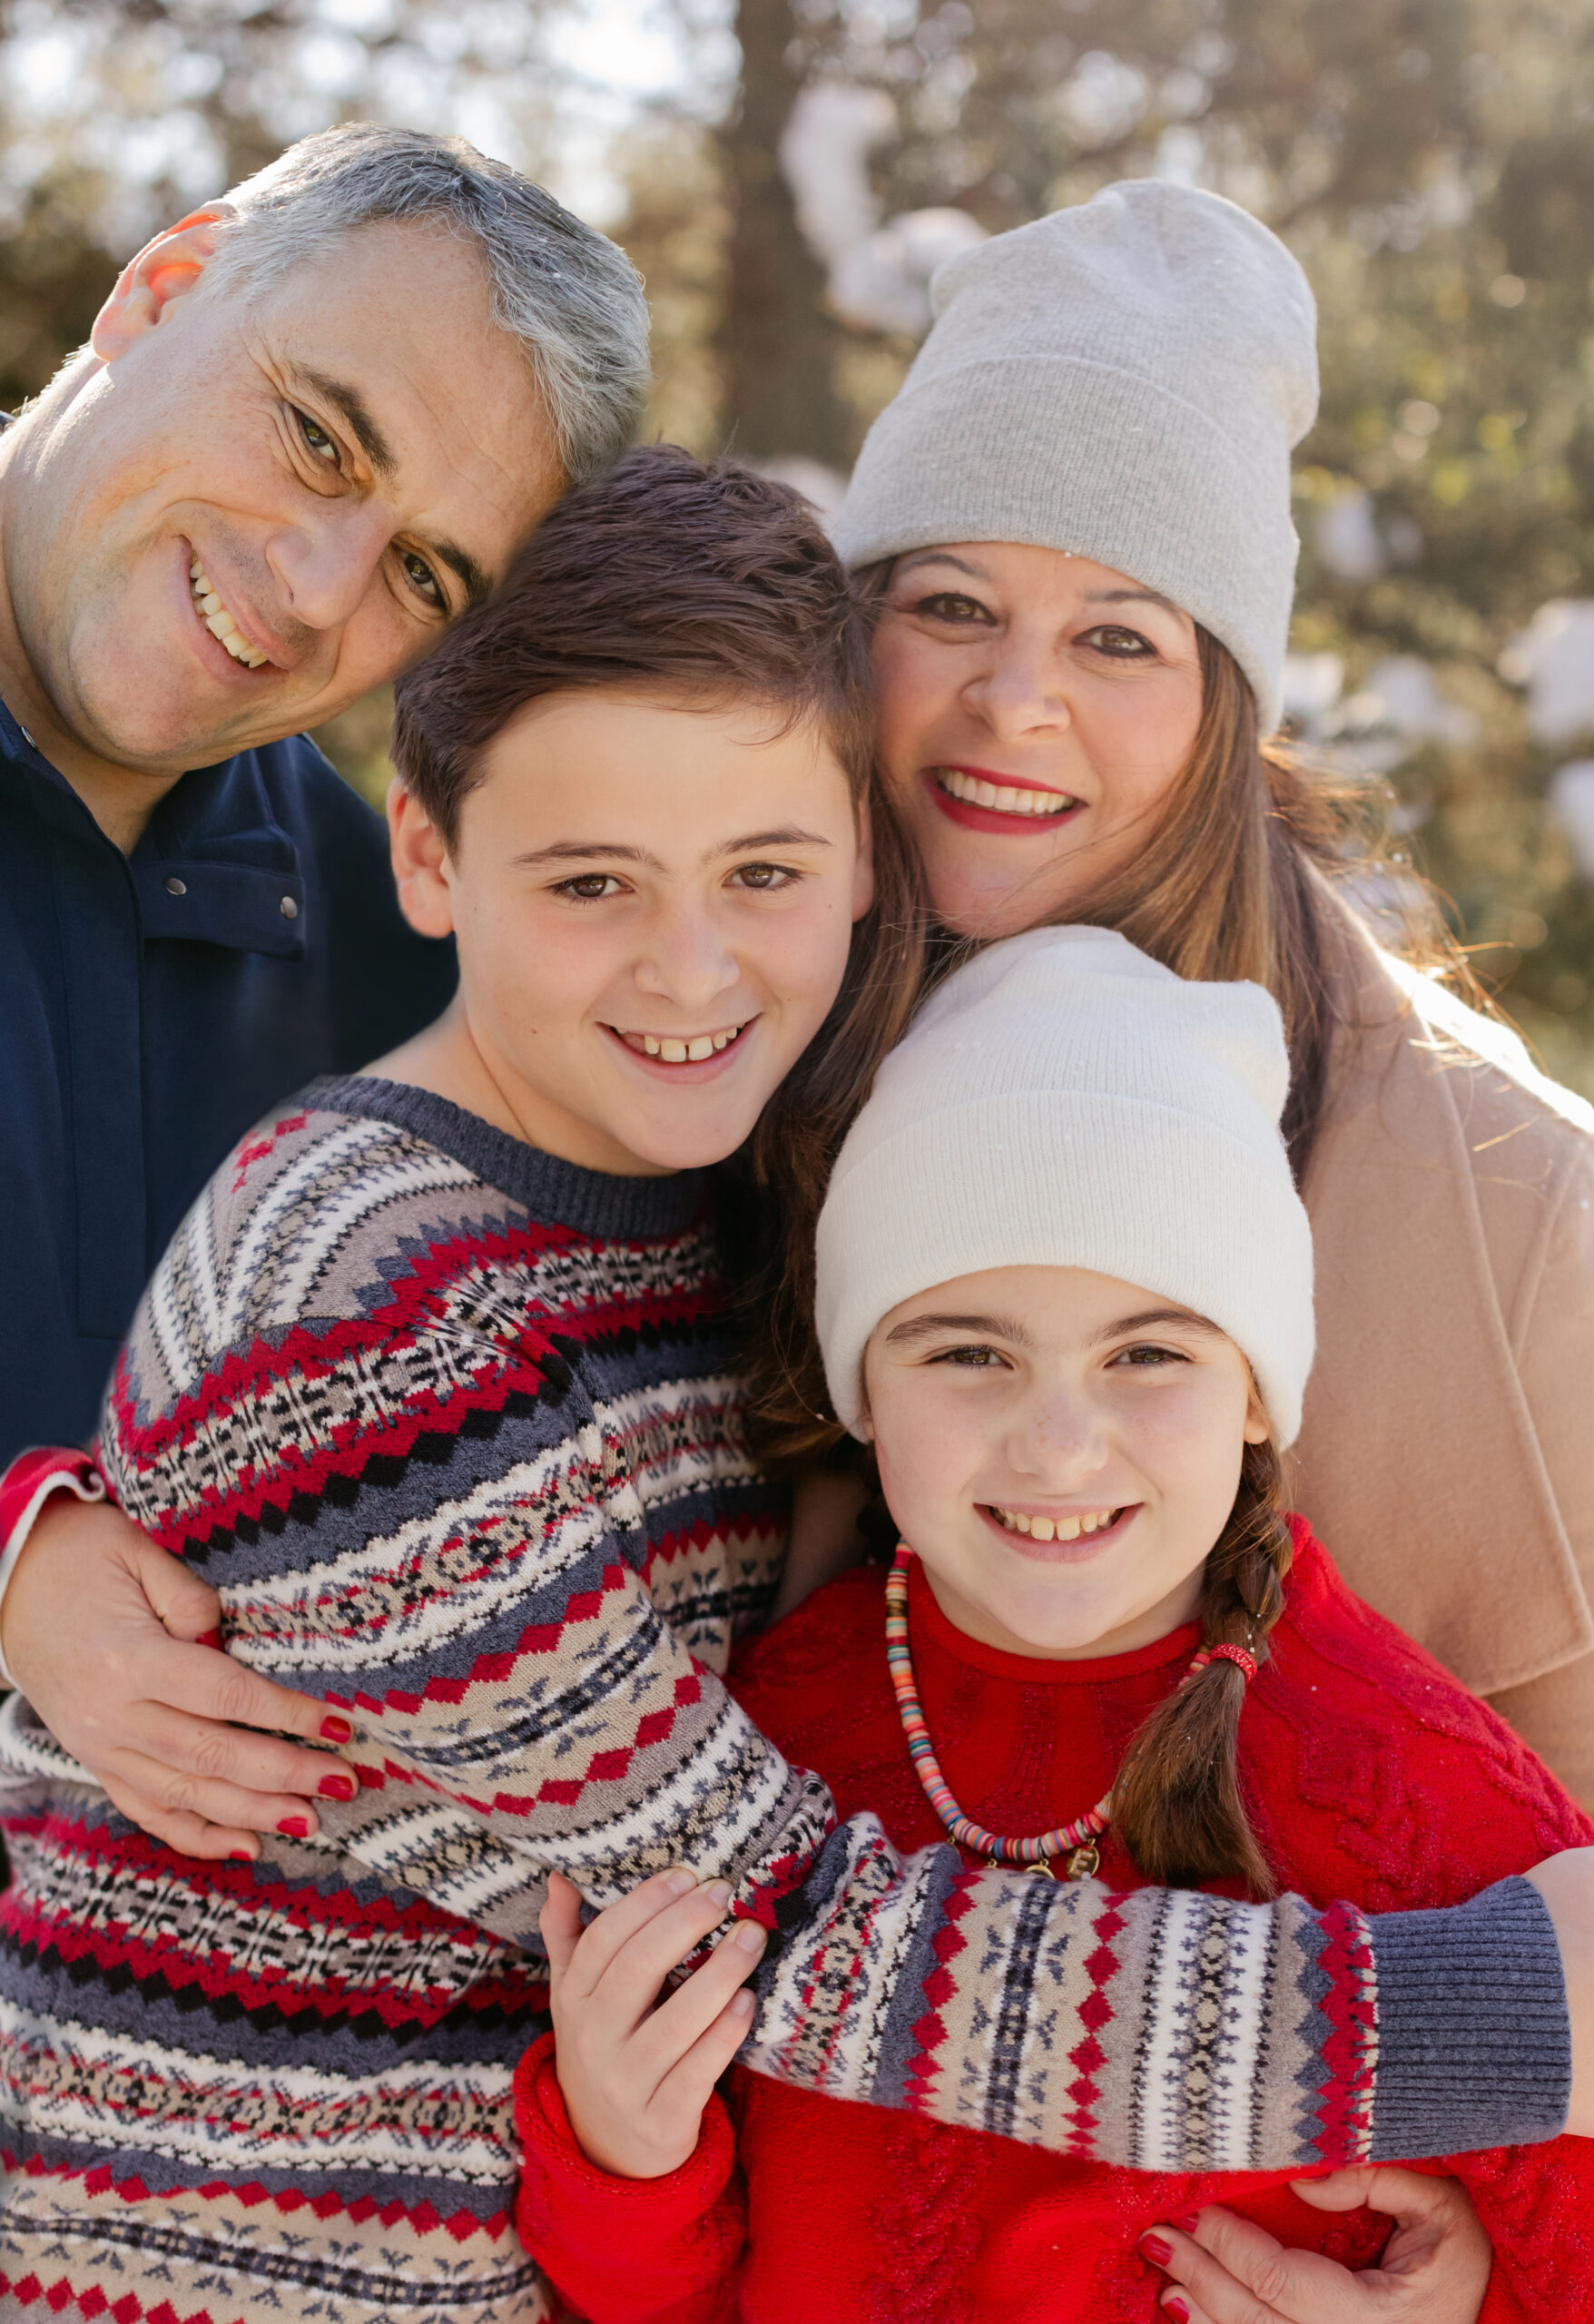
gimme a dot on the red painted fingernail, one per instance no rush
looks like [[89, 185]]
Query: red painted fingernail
[[337, 1730], [1157, 2250], [209, 1638], [1176, 2304], [294, 1828], [239, 1855], [1189, 2224], [336, 1787]]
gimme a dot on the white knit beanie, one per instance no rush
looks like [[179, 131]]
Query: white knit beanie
[[1064, 1101], [1123, 380]]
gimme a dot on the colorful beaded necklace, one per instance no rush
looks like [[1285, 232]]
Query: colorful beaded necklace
[[1077, 1840]]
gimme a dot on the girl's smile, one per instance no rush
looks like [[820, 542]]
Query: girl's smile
[[1060, 1538]]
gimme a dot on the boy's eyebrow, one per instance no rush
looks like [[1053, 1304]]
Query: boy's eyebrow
[[925, 1327], [1181, 1316], [580, 850], [575, 850], [789, 835]]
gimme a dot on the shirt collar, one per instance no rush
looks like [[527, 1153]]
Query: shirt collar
[[214, 865]]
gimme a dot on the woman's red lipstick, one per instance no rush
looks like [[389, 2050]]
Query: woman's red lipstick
[[976, 814]]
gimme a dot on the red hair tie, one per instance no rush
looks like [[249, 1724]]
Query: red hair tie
[[1243, 1661]]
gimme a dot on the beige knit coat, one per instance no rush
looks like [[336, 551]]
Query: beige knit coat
[[1447, 1452]]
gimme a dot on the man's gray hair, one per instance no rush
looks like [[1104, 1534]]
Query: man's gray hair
[[571, 297]]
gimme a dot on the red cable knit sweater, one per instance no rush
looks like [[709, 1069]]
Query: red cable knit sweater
[[1373, 1775]]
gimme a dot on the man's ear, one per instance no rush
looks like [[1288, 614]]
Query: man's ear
[[163, 270], [420, 864], [863, 874]]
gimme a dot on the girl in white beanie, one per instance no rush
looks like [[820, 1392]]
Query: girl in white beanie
[[1065, 1292], [1077, 515]]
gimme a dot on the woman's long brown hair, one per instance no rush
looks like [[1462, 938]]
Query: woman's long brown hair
[[1251, 871]]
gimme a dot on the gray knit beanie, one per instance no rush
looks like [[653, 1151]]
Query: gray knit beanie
[[1123, 380], [1065, 1101]]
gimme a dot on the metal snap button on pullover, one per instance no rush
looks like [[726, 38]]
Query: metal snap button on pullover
[[174, 886], [289, 909]]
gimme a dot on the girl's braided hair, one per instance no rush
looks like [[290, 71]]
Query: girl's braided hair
[[1176, 1804]]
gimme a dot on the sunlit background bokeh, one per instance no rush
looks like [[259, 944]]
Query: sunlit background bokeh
[[787, 173]]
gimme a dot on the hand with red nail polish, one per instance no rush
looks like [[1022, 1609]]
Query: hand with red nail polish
[[116, 1643], [1435, 2267]]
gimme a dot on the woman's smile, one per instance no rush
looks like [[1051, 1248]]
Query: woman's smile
[[1010, 804]]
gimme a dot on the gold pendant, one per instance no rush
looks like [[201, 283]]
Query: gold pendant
[[1084, 1862]]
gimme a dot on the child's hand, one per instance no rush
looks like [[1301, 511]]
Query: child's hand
[[1434, 2270], [636, 2071]]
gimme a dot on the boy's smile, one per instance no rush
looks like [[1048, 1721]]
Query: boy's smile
[[654, 902], [674, 1052]]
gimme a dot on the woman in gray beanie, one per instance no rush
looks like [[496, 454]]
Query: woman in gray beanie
[[1076, 512]]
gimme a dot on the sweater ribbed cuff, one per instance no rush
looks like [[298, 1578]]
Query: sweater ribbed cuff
[[1474, 2044]]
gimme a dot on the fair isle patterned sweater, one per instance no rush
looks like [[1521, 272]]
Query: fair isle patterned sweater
[[453, 1428]]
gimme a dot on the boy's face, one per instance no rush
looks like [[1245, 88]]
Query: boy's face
[[1062, 1450], [654, 904]]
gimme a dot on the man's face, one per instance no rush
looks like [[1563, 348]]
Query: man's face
[[323, 471]]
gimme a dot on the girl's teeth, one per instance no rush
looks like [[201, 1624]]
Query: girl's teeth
[[703, 1046], [650, 1045], [1054, 1529], [673, 1052]]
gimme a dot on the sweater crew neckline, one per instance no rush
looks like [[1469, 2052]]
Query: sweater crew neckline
[[555, 1192], [934, 1628]]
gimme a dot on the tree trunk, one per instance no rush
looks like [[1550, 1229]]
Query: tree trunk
[[777, 341]]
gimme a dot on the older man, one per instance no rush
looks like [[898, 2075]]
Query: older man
[[312, 422]]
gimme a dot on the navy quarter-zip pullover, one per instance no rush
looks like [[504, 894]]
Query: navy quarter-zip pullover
[[152, 1008]]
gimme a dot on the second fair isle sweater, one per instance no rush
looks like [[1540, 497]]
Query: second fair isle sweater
[[1370, 1774], [454, 1430]]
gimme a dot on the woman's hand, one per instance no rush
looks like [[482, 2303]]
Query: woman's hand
[[636, 2071], [1566, 1882], [113, 1642], [1434, 2270]]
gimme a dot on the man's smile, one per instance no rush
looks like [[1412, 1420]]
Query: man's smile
[[219, 621]]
